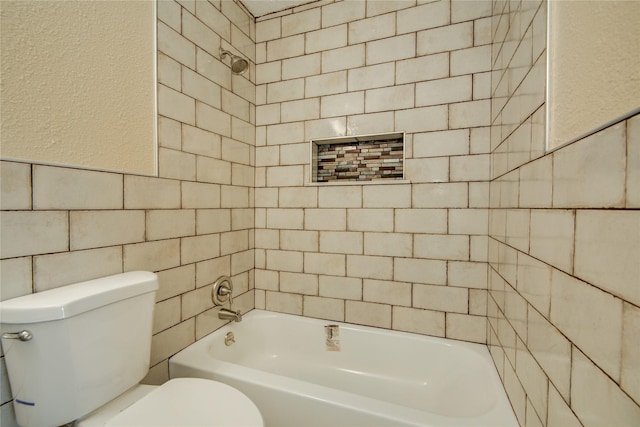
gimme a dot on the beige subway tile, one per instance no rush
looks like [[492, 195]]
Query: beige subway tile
[[596, 179], [430, 15], [633, 162], [169, 133], [176, 281], [391, 49], [15, 182], [301, 22], [536, 183], [91, 229], [375, 123], [478, 302], [285, 218], [298, 240], [370, 219], [386, 196], [234, 197], [200, 141], [380, 7], [607, 250], [325, 39], [444, 91], [285, 176], [284, 303], [440, 246], [343, 58], [326, 84], [366, 313], [441, 298], [285, 261], [295, 154], [299, 283], [212, 68], [52, 271], [468, 221], [195, 302], [176, 105], [301, 66], [291, 197], [517, 229], [212, 119], [212, 221], [234, 241], [169, 12], [152, 256], [267, 280], [150, 193], [418, 321], [242, 265], [196, 31], [517, 395], [422, 68], [534, 282], [421, 220], [340, 197], [465, 10], [375, 28], [200, 195], [268, 72], [200, 88], [470, 168], [16, 277], [34, 232], [370, 267], [630, 376], [342, 104], [388, 244], [64, 188], [591, 318], [213, 18], [467, 274], [287, 133], [471, 60], [199, 248], [305, 109], [596, 399], [551, 238], [242, 175], [423, 119], [373, 76], [285, 47], [268, 30], [235, 105], [242, 218], [325, 219], [396, 97], [213, 170], [447, 38], [423, 271], [442, 143], [467, 328], [323, 308], [176, 164], [341, 242], [342, 12], [166, 314], [387, 292], [322, 263], [177, 47], [534, 381], [551, 349], [559, 413], [340, 287], [469, 114], [172, 340], [440, 195]]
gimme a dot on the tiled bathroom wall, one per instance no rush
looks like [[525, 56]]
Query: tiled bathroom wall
[[407, 256], [564, 236], [191, 224]]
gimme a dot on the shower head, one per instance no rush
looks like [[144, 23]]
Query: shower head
[[238, 64]]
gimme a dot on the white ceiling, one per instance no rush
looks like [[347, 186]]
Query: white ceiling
[[264, 7]]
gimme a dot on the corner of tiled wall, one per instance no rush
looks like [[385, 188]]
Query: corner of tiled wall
[[564, 233]]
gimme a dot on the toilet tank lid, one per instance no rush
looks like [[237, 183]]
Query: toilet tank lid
[[71, 300]]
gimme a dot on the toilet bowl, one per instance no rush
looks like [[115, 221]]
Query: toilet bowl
[[178, 402], [78, 353]]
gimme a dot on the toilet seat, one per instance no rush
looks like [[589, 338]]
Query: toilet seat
[[190, 402]]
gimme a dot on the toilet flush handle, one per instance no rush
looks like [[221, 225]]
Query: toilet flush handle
[[22, 335]]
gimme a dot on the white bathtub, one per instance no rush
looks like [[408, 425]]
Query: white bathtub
[[378, 378]]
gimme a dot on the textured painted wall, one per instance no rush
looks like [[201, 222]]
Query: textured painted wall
[[594, 65], [78, 84]]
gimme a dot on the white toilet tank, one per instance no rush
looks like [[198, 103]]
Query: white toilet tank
[[91, 341]]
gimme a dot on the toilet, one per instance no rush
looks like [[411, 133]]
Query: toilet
[[77, 354]]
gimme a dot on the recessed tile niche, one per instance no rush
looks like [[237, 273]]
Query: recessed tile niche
[[359, 158]]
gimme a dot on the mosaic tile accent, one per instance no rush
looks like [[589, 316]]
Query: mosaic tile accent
[[359, 160]]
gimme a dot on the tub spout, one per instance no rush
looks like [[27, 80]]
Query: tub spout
[[226, 314]]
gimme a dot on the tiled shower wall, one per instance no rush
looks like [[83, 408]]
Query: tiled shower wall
[[409, 256], [564, 233], [191, 224]]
